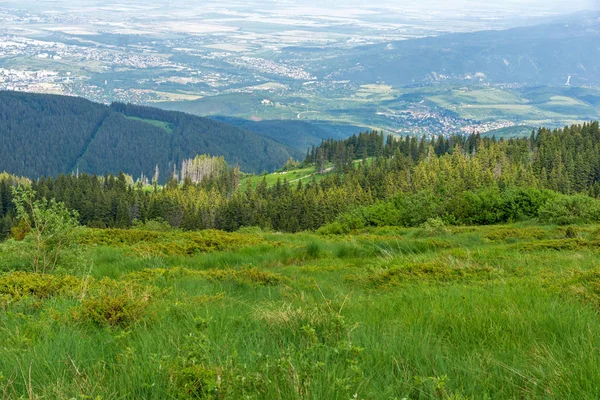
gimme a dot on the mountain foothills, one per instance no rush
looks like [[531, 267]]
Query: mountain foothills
[[366, 180], [47, 135], [542, 54]]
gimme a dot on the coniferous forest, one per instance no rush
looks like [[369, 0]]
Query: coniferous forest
[[48, 135], [366, 180]]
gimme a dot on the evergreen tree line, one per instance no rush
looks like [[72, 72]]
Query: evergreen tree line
[[413, 172]]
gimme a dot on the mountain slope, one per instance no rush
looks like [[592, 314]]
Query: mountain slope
[[543, 54], [298, 134], [49, 135]]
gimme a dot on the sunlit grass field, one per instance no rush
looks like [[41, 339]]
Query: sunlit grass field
[[497, 312]]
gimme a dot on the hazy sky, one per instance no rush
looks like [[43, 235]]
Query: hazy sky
[[455, 15], [550, 5]]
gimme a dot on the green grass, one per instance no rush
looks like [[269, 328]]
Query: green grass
[[511, 132], [304, 174], [293, 176], [491, 312], [159, 124]]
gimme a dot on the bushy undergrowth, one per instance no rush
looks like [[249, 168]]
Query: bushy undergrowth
[[560, 245], [114, 303], [149, 242], [567, 210], [511, 234], [482, 207], [16, 285], [426, 272], [104, 302]]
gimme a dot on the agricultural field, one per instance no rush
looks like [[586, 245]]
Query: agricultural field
[[533, 106], [434, 312]]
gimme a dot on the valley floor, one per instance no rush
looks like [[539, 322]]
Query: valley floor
[[493, 312]]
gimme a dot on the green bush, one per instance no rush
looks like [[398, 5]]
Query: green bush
[[115, 303], [354, 219], [493, 206], [481, 207], [47, 226], [416, 209], [333, 228], [16, 285], [194, 382], [569, 210], [433, 227]]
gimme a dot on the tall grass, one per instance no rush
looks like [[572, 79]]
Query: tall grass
[[474, 313]]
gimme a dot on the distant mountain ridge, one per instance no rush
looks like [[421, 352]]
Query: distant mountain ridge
[[47, 135], [540, 54]]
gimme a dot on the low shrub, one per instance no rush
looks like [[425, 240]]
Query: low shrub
[[509, 233], [571, 233], [105, 302], [115, 303], [585, 285], [246, 275], [433, 227], [147, 242], [194, 381], [16, 285], [333, 228], [436, 271], [569, 210], [190, 373], [559, 245]]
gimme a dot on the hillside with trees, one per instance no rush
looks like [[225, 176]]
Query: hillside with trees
[[47, 135], [366, 180]]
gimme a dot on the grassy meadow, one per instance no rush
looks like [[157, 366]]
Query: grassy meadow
[[497, 312]]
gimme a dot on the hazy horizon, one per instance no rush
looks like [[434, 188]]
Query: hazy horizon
[[533, 7]]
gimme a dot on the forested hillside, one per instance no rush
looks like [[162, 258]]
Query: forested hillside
[[47, 135], [366, 180], [296, 133]]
